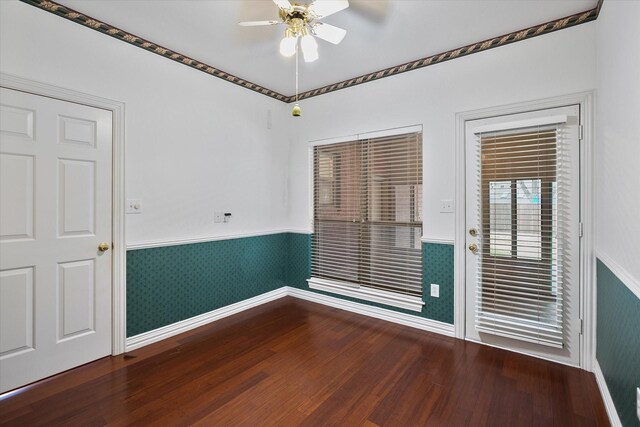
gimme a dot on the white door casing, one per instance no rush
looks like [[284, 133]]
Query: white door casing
[[570, 353], [56, 204]]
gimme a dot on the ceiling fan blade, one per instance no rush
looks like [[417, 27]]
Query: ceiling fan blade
[[322, 8], [258, 23], [283, 4], [328, 32]]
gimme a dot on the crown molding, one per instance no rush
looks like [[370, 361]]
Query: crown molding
[[481, 46]]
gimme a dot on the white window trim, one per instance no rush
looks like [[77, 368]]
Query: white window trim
[[380, 296]]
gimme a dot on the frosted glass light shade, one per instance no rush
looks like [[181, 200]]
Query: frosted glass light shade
[[309, 48], [288, 46]]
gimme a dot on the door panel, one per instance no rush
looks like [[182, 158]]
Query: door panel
[[16, 311], [74, 130], [76, 298], [522, 263], [17, 122], [17, 189], [55, 198], [77, 201]]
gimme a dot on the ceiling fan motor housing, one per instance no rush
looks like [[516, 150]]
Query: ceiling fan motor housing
[[296, 18]]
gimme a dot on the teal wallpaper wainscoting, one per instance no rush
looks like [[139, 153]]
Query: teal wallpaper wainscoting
[[437, 267], [299, 265], [618, 342], [169, 284]]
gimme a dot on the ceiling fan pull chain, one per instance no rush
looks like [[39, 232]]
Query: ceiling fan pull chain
[[296, 108]]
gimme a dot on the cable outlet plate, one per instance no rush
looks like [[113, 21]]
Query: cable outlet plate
[[133, 206]]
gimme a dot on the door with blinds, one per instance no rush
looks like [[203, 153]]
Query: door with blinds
[[522, 232]]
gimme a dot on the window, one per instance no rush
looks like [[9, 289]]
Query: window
[[327, 183], [367, 219]]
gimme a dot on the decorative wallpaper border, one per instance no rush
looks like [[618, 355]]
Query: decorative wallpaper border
[[110, 30], [516, 36]]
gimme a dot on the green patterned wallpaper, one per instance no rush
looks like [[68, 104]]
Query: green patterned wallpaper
[[169, 284], [618, 342], [437, 267]]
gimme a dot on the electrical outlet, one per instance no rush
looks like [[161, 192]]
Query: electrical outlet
[[638, 402], [133, 206], [435, 290], [218, 216]]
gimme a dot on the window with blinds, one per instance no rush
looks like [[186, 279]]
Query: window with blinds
[[367, 214], [522, 215]]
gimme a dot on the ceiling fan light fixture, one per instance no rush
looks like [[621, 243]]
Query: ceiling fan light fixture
[[309, 48], [288, 43]]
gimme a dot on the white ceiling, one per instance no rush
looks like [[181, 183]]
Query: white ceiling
[[207, 30]]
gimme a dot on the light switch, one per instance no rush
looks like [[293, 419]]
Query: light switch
[[446, 206]]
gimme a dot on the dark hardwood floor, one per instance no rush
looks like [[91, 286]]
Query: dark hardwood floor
[[292, 362]]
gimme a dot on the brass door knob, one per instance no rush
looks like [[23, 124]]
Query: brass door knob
[[103, 247], [473, 248]]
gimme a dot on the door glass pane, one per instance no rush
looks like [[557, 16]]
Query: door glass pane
[[529, 226], [500, 218]]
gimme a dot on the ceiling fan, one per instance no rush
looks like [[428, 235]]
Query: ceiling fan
[[303, 22]]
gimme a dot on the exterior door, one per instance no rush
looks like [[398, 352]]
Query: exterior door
[[522, 233], [55, 212]]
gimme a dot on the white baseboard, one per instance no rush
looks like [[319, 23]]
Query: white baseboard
[[164, 332], [168, 331], [379, 313], [614, 419]]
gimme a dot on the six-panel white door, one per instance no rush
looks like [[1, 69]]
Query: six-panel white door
[[55, 209]]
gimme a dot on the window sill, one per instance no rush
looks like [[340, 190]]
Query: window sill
[[368, 294]]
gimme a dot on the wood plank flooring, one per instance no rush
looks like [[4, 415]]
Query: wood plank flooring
[[292, 362]]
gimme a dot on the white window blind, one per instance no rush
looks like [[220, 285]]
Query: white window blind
[[524, 200], [367, 214]]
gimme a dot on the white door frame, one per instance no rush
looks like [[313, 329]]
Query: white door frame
[[119, 266], [587, 273]]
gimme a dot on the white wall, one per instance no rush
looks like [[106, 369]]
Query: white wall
[[194, 143], [618, 135], [550, 65]]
